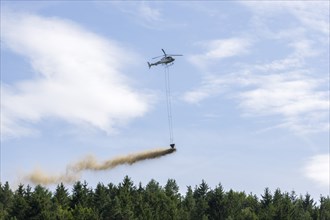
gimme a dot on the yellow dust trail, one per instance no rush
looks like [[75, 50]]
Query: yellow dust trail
[[40, 177], [90, 163]]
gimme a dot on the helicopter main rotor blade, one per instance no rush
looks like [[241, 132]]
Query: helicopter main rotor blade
[[158, 56], [166, 55]]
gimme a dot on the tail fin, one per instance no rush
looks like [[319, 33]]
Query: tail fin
[[149, 65]]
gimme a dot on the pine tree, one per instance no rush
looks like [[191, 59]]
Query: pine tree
[[216, 203], [6, 199], [282, 205], [84, 213], [20, 205], [298, 212], [61, 203], [101, 200], [309, 206], [80, 195], [200, 195], [140, 207], [40, 204], [125, 191], [173, 198], [188, 204], [61, 196], [234, 205], [324, 213], [267, 208], [155, 200]]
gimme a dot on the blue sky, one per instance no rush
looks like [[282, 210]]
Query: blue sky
[[250, 96]]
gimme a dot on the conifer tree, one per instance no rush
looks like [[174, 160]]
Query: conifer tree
[[6, 199], [20, 205]]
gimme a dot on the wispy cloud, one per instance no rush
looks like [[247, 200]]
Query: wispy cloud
[[312, 14], [148, 13], [317, 168], [287, 86], [142, 13], [210, 86], [295, 97], [300, 100], [79, 77], [220, 49]]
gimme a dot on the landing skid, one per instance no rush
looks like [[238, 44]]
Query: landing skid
[[168, 65]]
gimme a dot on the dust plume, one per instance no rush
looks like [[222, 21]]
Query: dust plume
[[73, 171], [90, 163], [40, 177]]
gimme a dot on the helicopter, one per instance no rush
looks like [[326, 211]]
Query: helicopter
[[167, 59]]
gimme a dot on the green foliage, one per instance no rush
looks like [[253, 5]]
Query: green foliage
[[200, 196], [127, 201], [61, 197], [324, 210], [216, 203], [40, 204], [6, 200], [20, 205]]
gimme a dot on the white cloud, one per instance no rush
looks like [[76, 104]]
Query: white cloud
[[317, 169], [79, 76], [283, 93], [280, 65], [298, 99], [303, 48], [210, 86], [146, 14], [291, 86], [226, 48], [295, 97], [312, 14], [220, 49]]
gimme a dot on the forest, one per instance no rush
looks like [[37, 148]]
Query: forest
[[153, 201]]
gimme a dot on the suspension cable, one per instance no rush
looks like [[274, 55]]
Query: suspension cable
[[168, 103]]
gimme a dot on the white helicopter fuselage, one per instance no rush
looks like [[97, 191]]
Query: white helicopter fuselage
[[167, 59], [164, 60]]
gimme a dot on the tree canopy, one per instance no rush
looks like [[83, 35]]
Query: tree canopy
[[129, 201]]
